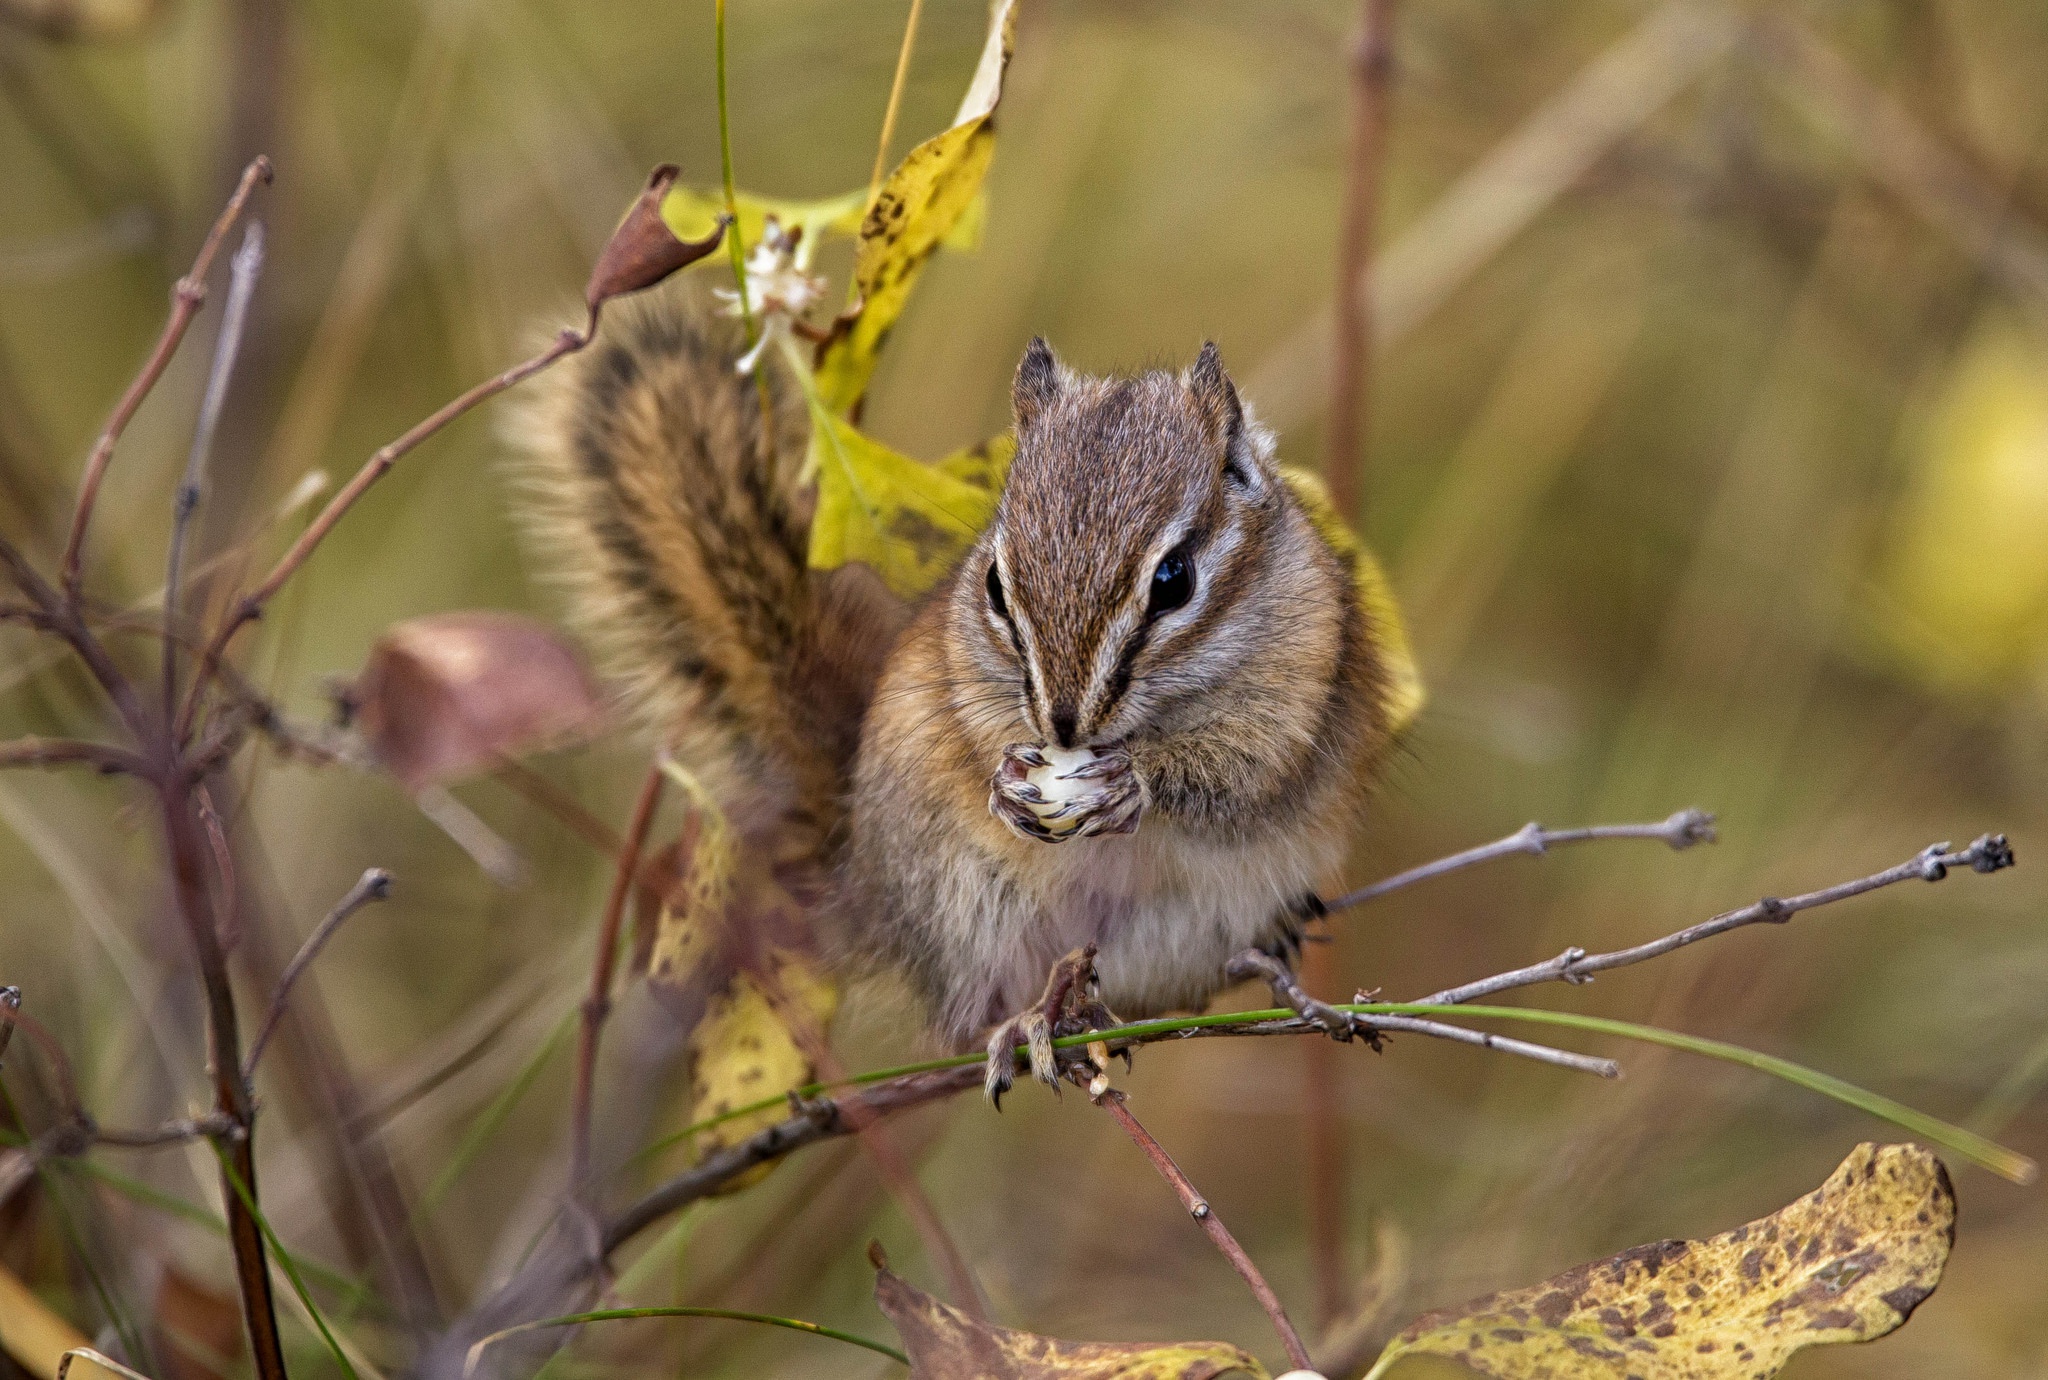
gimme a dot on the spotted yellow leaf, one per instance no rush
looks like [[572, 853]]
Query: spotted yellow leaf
[[1849, 1262], [731, 951], [919, 205], [908, 520]]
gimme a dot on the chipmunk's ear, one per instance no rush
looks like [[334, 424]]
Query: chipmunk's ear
[[1215, 396], [1037, 384], [1247, 447]]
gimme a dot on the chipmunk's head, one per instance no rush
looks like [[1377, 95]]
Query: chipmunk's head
[[1138, 574]]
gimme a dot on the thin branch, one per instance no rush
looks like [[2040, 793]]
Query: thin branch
[[64, 618], [895, 100], [598, 1004], [373, 885], [1679, 832], [232, 1098], [250, 606], [12, 1018], [1372, 66], [814, 1117], [10, 1003], [64, 752], [243, 270], [213, 1126], [186, 297], [1205, 1217], [1989, 853]]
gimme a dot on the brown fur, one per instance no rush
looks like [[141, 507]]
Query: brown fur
[[1253, 716]]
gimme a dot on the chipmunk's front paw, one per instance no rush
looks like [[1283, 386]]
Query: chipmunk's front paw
[[1050, 793]]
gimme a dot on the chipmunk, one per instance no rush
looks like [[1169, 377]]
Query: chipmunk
[[1135, 724]]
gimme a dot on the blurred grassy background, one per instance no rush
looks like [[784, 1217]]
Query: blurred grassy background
[[1724, 482]]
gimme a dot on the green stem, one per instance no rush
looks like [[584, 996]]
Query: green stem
[[2007, 1164], [732, 201], [614, 1314]]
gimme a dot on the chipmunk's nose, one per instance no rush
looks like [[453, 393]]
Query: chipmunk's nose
[[1063, 720]]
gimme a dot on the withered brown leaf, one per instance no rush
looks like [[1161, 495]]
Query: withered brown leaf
[[644, 249], [946, 1344], [448, 695]]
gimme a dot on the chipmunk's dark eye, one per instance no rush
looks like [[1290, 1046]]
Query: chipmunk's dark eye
[[995, 592], [1173, 583]]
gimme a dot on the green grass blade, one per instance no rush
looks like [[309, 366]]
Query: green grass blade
[[284, 1260], [615, 1314], [493, 1120]]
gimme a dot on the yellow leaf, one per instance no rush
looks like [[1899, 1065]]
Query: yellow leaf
[[1961, 593], [747, 1047], [1406, 693], [729, 934], [691, 213], [986, 466], [691, 927], [30, 1332], [918, 207], [907, 520], [946, 1344], [1849, 1262]]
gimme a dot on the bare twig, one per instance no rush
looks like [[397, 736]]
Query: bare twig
[[64, 752], [12, 1017], [186, 297], [1988, 853], [232, 1098], [598, 1004], [1205, 1217], [10, 1003], [210, 1127], [1679, 832], [1372, 64], [243, 271], [250, 606], [54, 613], [373, 885], [1527, 171]]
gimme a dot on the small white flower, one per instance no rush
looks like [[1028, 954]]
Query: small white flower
[[779, 289]]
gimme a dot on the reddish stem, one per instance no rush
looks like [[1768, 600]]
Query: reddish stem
[[187, 295], [1205, 1216], [250, 606], [598, 1004]]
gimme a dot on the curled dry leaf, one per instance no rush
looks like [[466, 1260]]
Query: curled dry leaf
[[645, 248], [445, 696], [946, 1344], [1849, 1262]]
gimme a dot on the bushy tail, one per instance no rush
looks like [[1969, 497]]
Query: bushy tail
[[665, 499]]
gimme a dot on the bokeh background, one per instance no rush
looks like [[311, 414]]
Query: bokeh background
[[1708, 449]]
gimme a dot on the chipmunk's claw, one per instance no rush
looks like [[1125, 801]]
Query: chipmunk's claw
[[1068, 1007], [1052, 795]]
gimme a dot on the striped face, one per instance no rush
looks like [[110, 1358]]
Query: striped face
[[1122, 580]]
